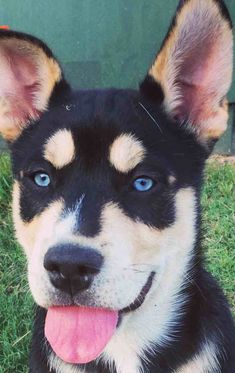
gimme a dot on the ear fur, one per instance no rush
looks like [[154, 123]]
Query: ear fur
[[194, 67], [28, 75]]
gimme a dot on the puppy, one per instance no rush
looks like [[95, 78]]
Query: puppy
[[106, 203]]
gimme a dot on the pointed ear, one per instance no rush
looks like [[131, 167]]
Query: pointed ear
[[193, 69], [28, 75]]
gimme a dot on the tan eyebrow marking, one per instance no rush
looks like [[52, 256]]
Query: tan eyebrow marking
[[59, 149], [126, 152]]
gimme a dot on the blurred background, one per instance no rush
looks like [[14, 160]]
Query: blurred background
[[104, 43]]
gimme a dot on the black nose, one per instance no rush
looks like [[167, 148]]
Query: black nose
[[72, 268]]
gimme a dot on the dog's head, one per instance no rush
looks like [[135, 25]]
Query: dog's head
[[105, 198]]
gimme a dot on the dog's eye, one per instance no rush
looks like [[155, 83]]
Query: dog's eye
[[42, 179], [143, 184]]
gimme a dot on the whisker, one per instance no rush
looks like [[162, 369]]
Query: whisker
[[149, 114], [193, 282]]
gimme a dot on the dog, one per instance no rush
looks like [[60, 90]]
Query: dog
[[106, 203]]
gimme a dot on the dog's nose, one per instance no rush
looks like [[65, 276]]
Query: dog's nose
[[72, 268]]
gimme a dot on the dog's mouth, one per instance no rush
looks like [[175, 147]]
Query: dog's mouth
[[79, 334], [142, 295]]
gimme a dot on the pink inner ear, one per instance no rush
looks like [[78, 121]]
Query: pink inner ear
[[19, 83], [195, 67], [198, 83]]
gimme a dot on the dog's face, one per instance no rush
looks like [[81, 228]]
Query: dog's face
[[105, 197], [104, 176]]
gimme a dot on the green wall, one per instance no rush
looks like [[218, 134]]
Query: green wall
[[100, 43]]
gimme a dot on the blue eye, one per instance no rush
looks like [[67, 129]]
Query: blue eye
[[42, 179], [143, 184]]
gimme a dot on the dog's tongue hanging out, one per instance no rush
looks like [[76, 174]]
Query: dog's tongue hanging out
[[78, 335]]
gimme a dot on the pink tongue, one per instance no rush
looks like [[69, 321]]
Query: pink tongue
[[78, 335]]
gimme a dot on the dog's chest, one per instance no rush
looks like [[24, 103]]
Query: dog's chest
[[58, 366]]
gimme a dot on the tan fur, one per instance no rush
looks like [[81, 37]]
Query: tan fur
[[26, 232], [126, 152], [48, 74], [206, 16], [205, 361], [29, 234], [59, 149]]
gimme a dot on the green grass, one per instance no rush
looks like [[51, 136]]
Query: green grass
[[219, 223], [16, 305], [15, 301]]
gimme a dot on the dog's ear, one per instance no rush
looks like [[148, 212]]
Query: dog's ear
[[192, 72], [28, 75]]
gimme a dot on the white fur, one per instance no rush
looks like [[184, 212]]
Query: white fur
[[205, 361], [61, 367]]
